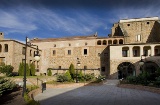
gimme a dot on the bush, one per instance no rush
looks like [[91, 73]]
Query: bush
[[61, 78], [49, 72], [6, 85], [68, 76], [6, 69], [89, 77], [157, 82], [21, 69], [72, 71], [80, 76], [131, 79], [32, 69]]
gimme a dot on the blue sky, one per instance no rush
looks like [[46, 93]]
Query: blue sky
[[62, 18]]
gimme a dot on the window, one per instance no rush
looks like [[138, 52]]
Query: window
[[103, 69], [85, 51], [145, 52], [124, 53], [138, 37], [69, 52], [104, 42], [135, 53], [23, 50], [147, 22], [54, 45], [2, 61], [128, 24], [69, 44], [86, 43], [60, 67], [30, 52], [85, 67], [23, 60], [5, 47], [98, 42], [0, 48], [54, 52]]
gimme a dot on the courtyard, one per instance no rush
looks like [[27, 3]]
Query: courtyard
[[106, 94]]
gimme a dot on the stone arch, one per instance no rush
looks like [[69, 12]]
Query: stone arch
[[104, 42], [126, 69], [115, 41], [121, 41], [150, 66], [109, 41], [99, 42]]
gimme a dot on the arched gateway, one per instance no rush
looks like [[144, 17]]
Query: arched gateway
[[126, 69]]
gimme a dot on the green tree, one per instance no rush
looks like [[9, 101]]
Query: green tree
[[72, 71], [68, 76], [49, 72], [32, 69], [20, 72], [28, 72], [6, 69]]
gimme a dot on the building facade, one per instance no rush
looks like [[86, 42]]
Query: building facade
[[12, 53], [116, 56]]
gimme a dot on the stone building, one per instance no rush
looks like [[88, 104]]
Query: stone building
[[12, 53], [116, 56]]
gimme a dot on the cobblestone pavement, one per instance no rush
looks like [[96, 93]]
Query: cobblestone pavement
[[106, 94]]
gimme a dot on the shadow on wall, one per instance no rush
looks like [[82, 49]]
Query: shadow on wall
[[155, 33]]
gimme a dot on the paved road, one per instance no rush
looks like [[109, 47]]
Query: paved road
[[107, 94]]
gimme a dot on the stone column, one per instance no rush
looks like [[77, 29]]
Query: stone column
[[130, 51], [152, 50], [141, 50]]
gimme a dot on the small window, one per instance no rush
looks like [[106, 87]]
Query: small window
[[86, 43], [0, 48], [104, 42], [69, 44], [103, 69], [30, 52], [54, 45], [147, 22], [23, 60], [85, 67], [23, 50], [138, 38], [54, 52], [60, 67], [5, 47], [128, 24], [85, 51], [1, 33], [69, 52]]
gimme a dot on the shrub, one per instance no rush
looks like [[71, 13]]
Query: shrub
[[89, 77], [131, 79], [6, 69], [6, 85], [61, 78], [80, 76], [68, 76], [28, 72], [21, 69], [157, 82], [49, 72], [72, 71], [32, 69]]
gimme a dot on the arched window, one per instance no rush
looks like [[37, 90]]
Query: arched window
[[115, 42], [0, 48], [121, 41], [109, 41], [99, 42], [5, 47], [104, 42]]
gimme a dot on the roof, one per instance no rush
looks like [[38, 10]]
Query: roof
[[94, 36]]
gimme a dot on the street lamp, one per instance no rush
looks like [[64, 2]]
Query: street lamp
[[36, 57], [141, 63], [78, 64]]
